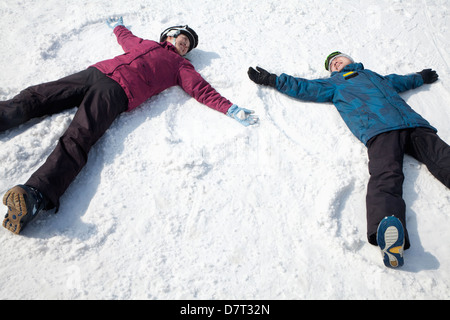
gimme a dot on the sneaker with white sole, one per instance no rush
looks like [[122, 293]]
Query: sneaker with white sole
[[391, 240], [24, 204]]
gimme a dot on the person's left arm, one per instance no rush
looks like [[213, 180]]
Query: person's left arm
[[200, 89], [403, 83]]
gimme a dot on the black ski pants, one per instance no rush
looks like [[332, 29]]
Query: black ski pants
[[99, 99], [385, 187]]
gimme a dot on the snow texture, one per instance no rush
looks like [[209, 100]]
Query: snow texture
[[178, 201]]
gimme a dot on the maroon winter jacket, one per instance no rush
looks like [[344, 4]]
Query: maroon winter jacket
[[148, 68]]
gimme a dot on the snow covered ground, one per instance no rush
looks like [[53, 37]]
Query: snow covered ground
[[178, 201]]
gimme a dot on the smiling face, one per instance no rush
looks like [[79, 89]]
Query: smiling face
[[182, 43], [339, 63]]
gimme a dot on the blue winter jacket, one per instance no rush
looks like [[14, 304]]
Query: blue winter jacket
[[368, 102]]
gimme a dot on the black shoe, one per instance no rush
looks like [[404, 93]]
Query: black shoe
[[24, 204]]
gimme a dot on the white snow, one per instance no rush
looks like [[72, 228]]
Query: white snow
[[178, 201]]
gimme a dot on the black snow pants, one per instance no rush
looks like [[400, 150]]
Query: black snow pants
[[99, 99], [386, 152]]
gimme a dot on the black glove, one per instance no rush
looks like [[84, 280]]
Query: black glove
[[428, 75], [261, 76]]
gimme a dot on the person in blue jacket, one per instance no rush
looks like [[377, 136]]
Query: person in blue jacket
[[371, 107]]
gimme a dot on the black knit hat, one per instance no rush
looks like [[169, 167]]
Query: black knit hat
[[177, 30]]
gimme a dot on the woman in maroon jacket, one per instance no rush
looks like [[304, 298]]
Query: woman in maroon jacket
[[102, 92]]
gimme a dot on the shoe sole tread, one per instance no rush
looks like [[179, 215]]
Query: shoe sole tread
[[393, 249], [17, 209]]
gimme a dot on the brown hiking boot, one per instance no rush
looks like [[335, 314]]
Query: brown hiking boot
[[24, 204]]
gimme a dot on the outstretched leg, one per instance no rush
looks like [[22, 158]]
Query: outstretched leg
[[385, 187], [101, 105], [428, 148], [45, 99]]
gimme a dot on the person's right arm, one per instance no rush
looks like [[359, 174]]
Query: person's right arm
[[126, 38], [320, 90]]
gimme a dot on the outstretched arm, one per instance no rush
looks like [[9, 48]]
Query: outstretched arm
[[320, 90], [197, 87], [402, 83], [124, 36]]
